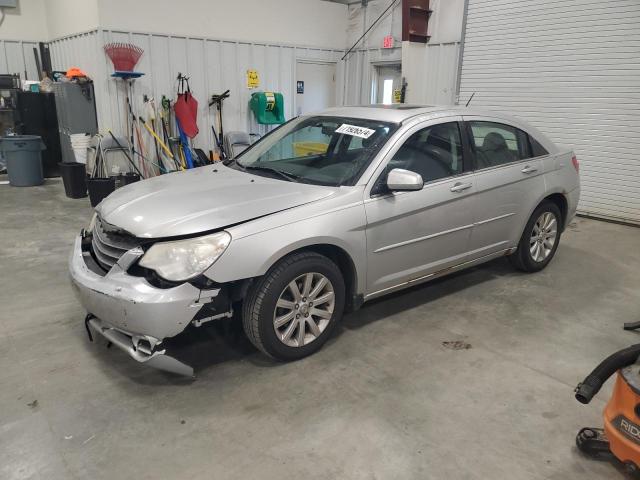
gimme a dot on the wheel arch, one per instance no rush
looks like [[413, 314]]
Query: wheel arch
[[560, 200], [343, 260]]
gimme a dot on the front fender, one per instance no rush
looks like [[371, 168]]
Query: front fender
[[252, 256]]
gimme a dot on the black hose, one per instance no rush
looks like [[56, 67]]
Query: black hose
[[591, 385]]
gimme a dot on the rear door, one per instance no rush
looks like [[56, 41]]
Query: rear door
[[508, 181], [413, 234]]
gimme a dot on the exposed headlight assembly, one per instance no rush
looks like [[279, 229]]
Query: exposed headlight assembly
[[182, 260]]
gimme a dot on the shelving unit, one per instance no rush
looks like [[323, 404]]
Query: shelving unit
[[415, 21]]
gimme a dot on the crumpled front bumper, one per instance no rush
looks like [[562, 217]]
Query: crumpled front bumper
[[131, 313], [138, 349]]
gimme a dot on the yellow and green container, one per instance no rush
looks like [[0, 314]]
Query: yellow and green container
[[268, 107]]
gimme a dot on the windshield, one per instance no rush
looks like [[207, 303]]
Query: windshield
[[320, 150]]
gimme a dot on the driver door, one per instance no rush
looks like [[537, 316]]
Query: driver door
[[414, 234]]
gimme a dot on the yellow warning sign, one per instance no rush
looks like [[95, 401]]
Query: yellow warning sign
[[397, 95], [253, 80]]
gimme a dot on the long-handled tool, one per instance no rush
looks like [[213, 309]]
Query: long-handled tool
[[217, 100], [185, 146], [165, 116], [151, 117], [158, 140], [134, 132]]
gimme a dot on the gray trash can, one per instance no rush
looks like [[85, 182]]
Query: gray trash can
[[24, 159]]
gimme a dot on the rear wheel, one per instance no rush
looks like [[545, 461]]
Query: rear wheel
[[539, 240], [291, 311]]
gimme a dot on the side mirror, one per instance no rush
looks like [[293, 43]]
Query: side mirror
[[400, 180]]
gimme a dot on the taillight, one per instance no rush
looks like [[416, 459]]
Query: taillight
[[576, 163]]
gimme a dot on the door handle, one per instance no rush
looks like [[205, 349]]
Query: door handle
[[529, 169], [459, 187]]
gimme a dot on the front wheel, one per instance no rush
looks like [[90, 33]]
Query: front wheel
[[291, 311], [539, 240]]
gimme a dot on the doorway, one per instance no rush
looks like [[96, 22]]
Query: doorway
[[387, 79], [315, 86]]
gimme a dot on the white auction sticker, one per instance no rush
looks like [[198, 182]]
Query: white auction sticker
[[355, 131]]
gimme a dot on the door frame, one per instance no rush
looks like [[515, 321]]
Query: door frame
[[467, 173], [294, 86], [370, 176], [373, 66]]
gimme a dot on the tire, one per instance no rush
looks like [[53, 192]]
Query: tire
[[272, 299], [523, 258]]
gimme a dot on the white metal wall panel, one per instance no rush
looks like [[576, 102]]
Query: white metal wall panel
[[213, 66], [431, 72], [358, 70], [17, 57], [572, 68]]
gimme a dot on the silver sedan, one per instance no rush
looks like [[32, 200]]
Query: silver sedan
[[324, 213]]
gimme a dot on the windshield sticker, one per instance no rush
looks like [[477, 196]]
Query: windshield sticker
[[355, 131]]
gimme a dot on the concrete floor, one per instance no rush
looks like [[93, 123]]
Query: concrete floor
[[384, 399]]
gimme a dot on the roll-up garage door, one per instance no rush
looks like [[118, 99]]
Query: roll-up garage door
[[572, 68]]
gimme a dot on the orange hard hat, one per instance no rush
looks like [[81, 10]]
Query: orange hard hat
[[75, 72]]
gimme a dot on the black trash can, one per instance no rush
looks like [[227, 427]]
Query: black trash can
[[24, 159], [100, 188], [126, 178], [74, 177]]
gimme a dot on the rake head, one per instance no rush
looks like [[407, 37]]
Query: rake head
[[123, 55]]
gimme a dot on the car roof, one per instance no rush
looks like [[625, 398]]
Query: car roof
[[395, 113], [400, 112]]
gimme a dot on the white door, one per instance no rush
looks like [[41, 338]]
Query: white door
[[317, 82], [570, 68], [388, 79]]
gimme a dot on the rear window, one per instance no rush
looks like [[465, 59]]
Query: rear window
[[537, 150], [497, 144]]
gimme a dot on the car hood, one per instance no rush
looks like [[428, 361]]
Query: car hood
[[202, 199]]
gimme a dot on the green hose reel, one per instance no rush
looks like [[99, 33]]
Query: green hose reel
[[268, 107]]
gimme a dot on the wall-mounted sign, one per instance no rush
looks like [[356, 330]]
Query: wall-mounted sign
[[397, 95], [387, 42], [300, 86], [253, 80]]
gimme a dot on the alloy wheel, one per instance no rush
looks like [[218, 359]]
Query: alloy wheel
[[304, 309], [543, 237]]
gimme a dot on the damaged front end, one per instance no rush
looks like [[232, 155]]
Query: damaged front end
[[131, 311], [141, 348]]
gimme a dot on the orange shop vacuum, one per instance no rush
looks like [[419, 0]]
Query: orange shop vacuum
[[620, 437]]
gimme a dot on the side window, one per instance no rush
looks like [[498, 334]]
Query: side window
[[537, 150], [497, 144], [433, 152]]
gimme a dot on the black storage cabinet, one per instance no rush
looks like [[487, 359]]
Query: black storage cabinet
[[38, 116]]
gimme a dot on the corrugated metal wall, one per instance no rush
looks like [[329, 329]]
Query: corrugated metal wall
[[359, 71], [572, 68], [213, 65], [441, 69], [359, 65], [431, 71], [16, 56]]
